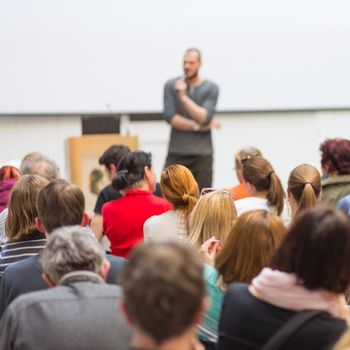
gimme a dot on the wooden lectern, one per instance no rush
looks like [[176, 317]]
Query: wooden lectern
[[83, 167]]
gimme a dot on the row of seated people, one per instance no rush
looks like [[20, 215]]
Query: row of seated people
[[234, 249]]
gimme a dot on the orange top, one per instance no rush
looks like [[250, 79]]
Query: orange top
[[239, 191]]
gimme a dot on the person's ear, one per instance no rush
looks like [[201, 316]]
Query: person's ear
[[289, 194], [48, 280], [86, 220], [147, 172], [112, 170], [125, 313], [319, 197], [39, 225], [105, 269]]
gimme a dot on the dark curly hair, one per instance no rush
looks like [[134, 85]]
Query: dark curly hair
[[335, 156]]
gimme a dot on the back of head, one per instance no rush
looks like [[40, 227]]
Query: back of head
[[213, 215], [317, 249], [335, 156], [69, 249], [60, 203], [163, 288], [244, 154], [179, 187], [131, 170], [22, 207], [304, 184], [250, 245], [37, 164], [113, 155], [259, 172]]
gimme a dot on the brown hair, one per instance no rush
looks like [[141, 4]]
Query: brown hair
[[259, 172], [304, 184], [244, 154], [335, 156], [21, 207], [179, 187], [163, 288], [60, 204], [249, 246], [317, 249], [213, 215]]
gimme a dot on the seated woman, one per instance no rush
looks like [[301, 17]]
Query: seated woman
[[180, 188], [123, 219], [265, 188], [24, 239], [248, 248], [240, 191], [214, 214], [304, 188], [311, 272]]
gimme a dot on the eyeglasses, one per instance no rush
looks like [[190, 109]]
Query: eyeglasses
[[207, 190]]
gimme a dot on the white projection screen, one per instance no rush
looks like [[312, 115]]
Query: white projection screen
[[113, 56]]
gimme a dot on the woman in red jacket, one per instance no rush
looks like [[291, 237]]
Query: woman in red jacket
[[123, 219]]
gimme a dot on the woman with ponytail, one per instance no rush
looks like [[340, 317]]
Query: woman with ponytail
[[265, 188], [123, 219], [180, 188], [304, 188]]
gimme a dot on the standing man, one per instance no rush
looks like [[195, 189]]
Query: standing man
[[189, 106]]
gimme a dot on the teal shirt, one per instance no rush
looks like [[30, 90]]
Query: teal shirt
[[208, 330]]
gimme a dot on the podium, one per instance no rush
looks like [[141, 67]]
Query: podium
[[83, 167]]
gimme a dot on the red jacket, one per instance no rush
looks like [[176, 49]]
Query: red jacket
[[123, 218]]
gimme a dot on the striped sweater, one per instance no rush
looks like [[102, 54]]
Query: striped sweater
[[12, 252]]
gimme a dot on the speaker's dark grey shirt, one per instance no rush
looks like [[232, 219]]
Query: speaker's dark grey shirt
[[190, 142]]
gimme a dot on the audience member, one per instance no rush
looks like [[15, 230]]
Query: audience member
[[164, 295], [58, 204], [240, 191], [33, 163], [213, 215], [304, 188], [24, 239], [180, 188], [110, 160], [264, 186], [36, 163], [249, 247], [80, 312], [335, 162], [8, 177], [312, 272], [123, 219]]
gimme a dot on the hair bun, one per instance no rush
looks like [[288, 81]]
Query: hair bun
[[186, 197]]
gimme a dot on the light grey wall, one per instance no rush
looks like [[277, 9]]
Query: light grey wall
[[286, 138]]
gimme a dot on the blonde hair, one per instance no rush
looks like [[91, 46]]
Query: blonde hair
[[344, 342], [179, 187], [213, 215], [250, 245], [22, 206], [304, 184], [259, 172]]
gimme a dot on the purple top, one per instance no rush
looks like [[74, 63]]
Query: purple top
[[5, 189]]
